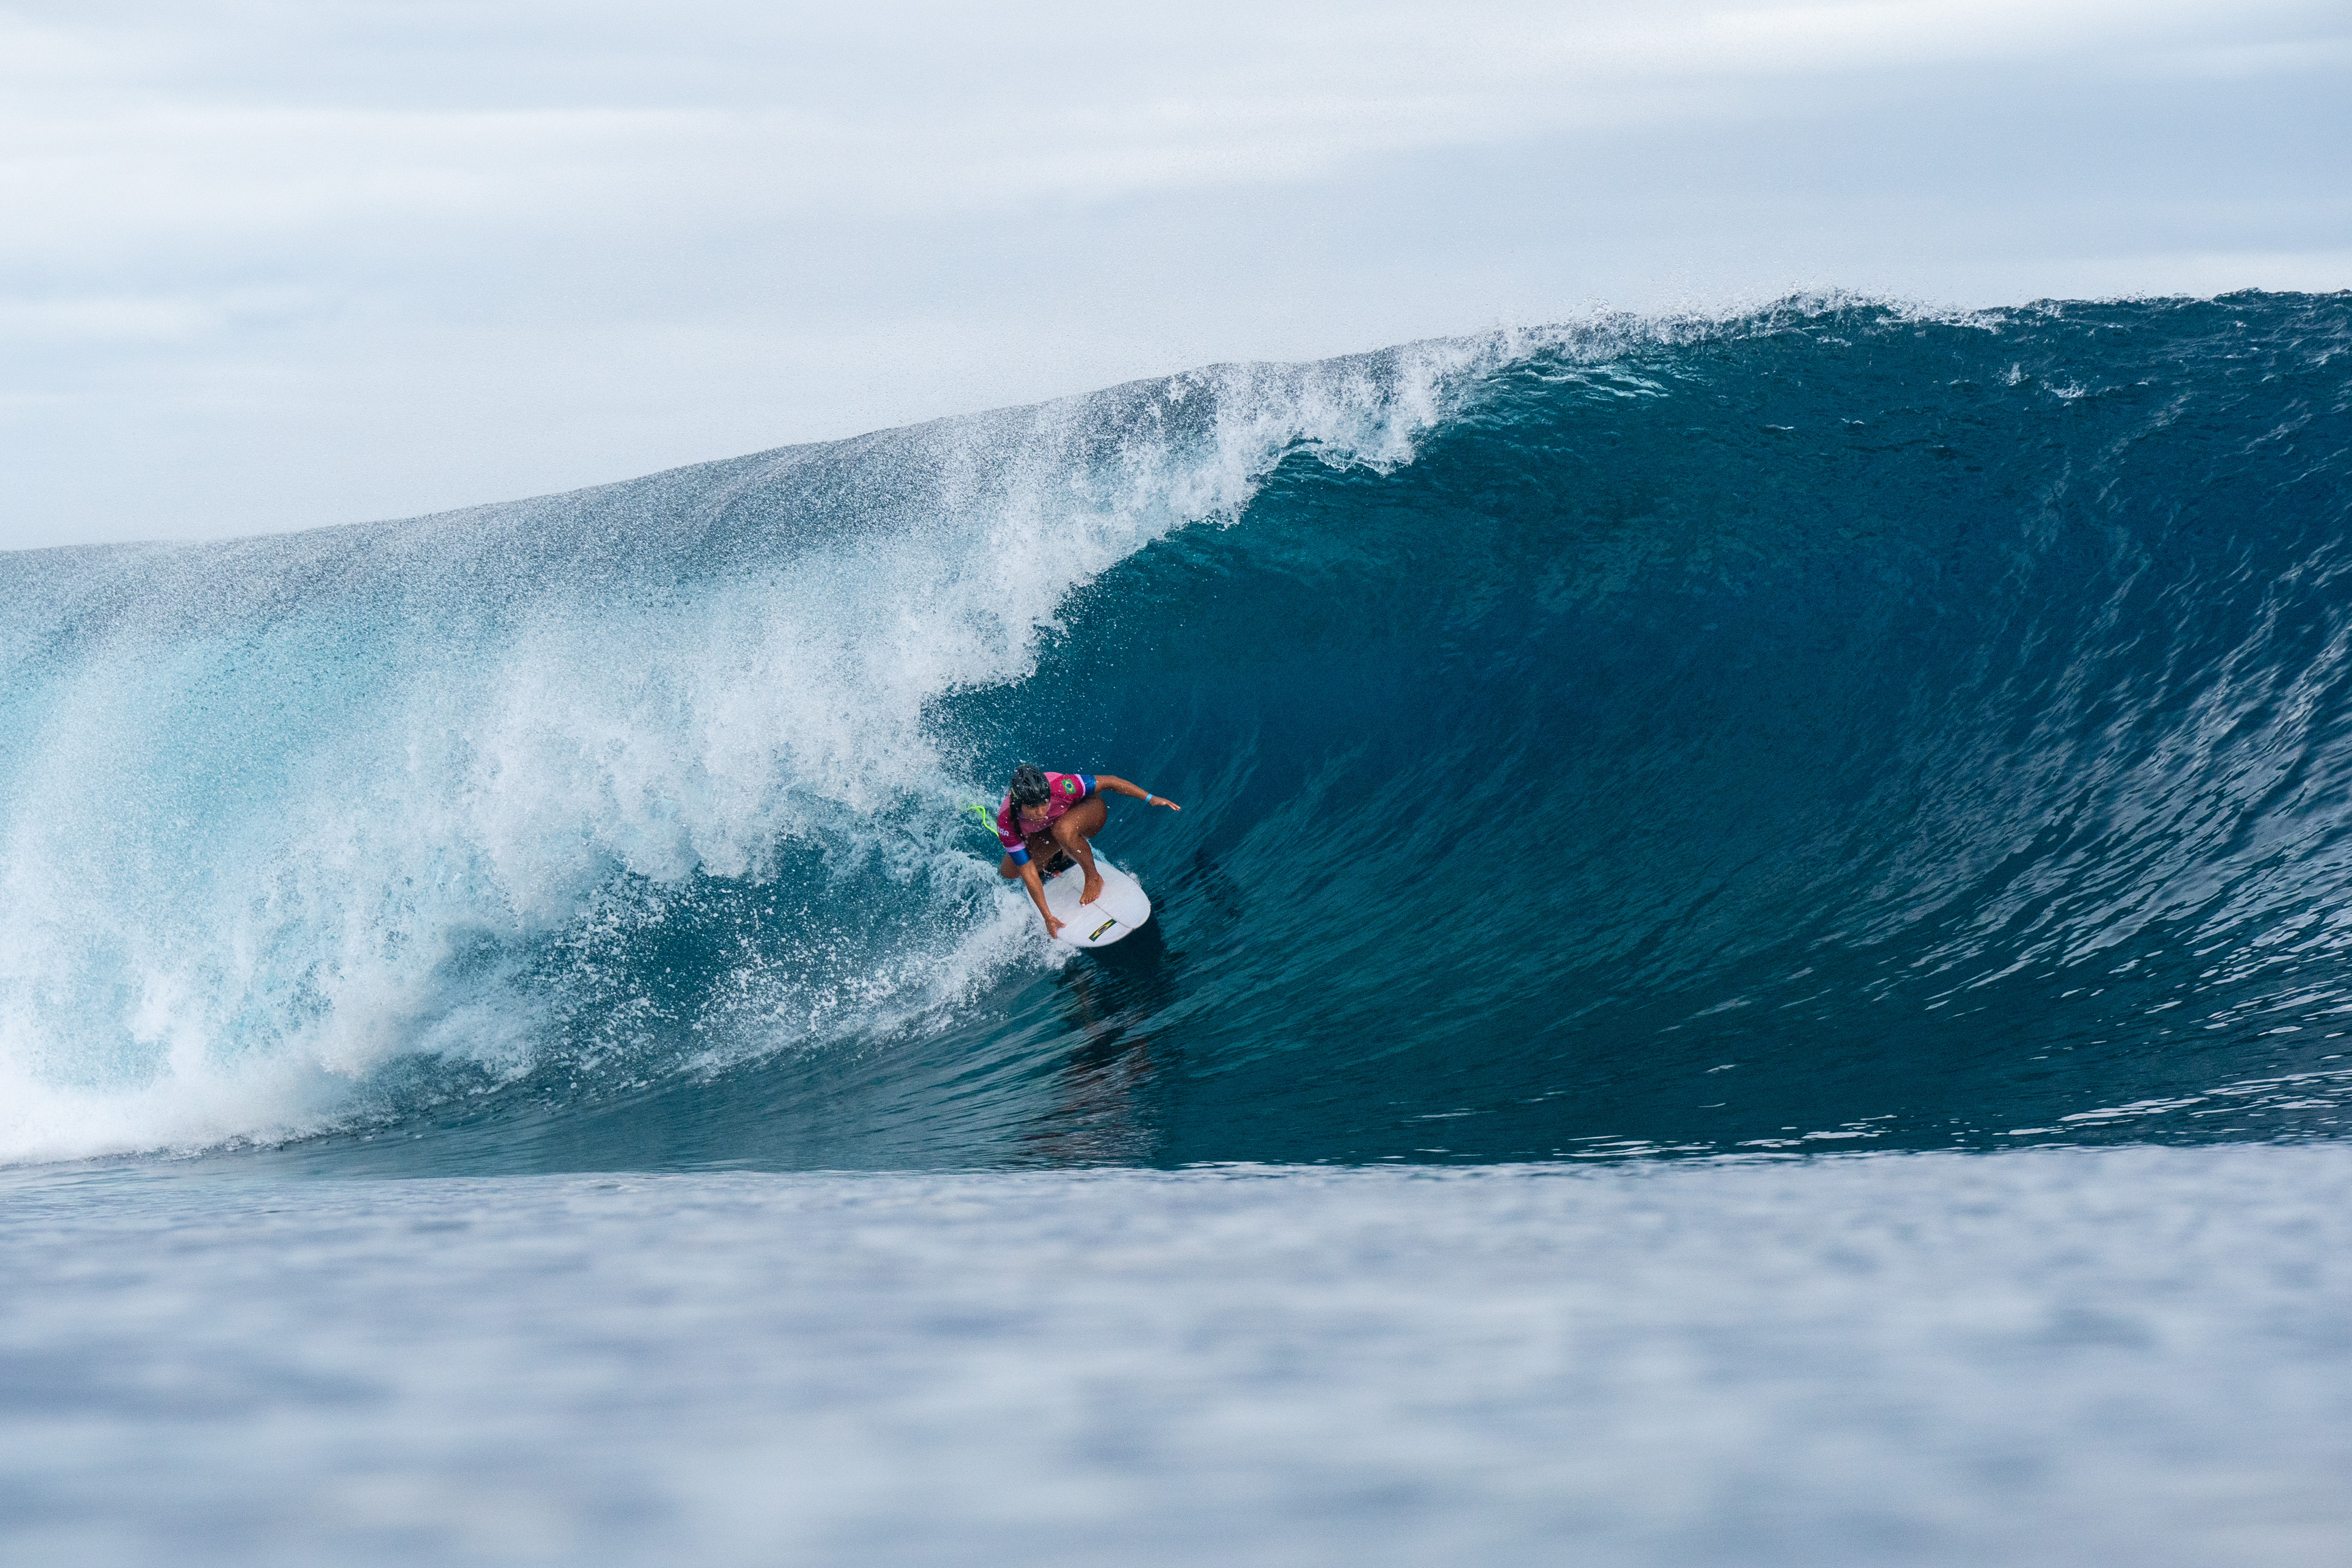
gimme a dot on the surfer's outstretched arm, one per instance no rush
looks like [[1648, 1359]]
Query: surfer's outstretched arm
[[1084, 820], [1120, 785]]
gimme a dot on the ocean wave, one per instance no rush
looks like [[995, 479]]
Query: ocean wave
[[1833, 726]]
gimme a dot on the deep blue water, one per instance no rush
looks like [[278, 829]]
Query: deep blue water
[[1835, 725]]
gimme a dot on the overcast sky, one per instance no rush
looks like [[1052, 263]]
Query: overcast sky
[[269, 266]]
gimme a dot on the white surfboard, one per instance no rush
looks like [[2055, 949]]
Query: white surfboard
[[1122, 907]]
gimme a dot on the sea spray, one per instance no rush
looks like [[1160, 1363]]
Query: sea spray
[[287, 820]]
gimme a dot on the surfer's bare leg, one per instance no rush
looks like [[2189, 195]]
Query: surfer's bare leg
[[1072, 829]]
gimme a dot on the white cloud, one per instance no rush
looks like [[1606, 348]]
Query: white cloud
[[617, 236]]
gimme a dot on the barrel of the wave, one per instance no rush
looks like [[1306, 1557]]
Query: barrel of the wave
[[1045, 824]]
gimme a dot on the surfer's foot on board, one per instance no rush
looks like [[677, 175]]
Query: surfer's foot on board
[[1093, 888]]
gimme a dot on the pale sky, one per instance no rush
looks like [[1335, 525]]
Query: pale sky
[[269, 266]]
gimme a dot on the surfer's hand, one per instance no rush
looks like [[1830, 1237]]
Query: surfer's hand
[[1052, 927], [1164, 801]]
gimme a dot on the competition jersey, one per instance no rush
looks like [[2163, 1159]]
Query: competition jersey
[[1064, 791]]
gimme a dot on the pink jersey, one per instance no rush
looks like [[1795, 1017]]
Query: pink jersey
[[1064, 791]]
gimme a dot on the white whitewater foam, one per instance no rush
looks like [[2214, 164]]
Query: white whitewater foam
[[275, 813]]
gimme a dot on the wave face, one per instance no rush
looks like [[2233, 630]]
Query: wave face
[[1827, 729]]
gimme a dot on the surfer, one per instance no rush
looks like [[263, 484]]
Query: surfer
[[1052, 816]]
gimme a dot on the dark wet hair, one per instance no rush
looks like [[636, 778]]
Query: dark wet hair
[[1029, 786]]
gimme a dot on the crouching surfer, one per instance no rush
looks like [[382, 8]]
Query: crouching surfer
[[1050, 817]]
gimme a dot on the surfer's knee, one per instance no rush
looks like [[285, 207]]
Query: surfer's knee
[[1007, 870], [1083, 820]]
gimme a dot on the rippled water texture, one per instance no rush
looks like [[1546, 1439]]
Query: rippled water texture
[[2121, 1356]]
